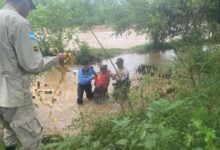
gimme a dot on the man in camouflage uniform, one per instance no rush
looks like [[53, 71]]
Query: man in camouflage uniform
[[122, 85], [20, 57]]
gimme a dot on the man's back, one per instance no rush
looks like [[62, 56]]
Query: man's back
[[11, 74], [9, 19], [20, 57]]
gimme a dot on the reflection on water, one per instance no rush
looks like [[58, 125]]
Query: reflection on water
[[133, 60]]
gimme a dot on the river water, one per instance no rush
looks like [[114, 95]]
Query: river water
[[133, 60], [109, 39], [55, 98]]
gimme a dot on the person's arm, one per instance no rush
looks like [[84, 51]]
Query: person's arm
[[93, 71], [27, 51], [112, 75]]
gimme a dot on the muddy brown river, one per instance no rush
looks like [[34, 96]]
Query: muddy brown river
[[55, 92]]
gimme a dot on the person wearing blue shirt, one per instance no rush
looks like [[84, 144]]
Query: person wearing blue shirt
[[86, 74]]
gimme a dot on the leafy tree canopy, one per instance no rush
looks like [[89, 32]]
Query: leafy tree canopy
[[1, 3], [164, 19], [160, 20]]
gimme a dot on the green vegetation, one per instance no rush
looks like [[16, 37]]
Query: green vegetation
[[100, 53], [109, 53], [187, 119], [184, 118], [93, 55], [190, 20], [1, 3], [141, 49]]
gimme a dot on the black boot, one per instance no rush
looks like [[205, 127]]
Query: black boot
[[10, 148], [79, 101]]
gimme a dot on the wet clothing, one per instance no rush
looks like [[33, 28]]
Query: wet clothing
[[81, 89], [100, 94], [102, 80], [122, 85], [84, 83], [20, 57], [101, 85], [85, 76]]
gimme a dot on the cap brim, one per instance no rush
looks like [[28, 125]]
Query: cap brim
[[32, 5]]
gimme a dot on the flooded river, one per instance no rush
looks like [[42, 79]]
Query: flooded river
[[133, 60], [55, 91], [109, 40]]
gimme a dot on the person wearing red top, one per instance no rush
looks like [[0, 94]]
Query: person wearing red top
[[101, 83]]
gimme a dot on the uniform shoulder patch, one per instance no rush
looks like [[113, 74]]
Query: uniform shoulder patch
[[32, 36]]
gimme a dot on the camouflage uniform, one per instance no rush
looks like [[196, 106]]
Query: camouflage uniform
[[20, 57], [122, 85]]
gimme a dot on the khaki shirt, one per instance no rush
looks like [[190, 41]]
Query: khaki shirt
[[20, 57]]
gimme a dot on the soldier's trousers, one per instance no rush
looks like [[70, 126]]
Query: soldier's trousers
[[21, 123]]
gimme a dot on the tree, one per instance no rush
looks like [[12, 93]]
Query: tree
[[56, 20], [1, 3], [165, 19], [161, 20], [51, 20]]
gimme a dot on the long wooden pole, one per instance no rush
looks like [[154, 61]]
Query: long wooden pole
[[99, 42]]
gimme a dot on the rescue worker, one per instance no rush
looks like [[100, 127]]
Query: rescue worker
[[122, 85], [20, 57], [101, 83], [86, 74]]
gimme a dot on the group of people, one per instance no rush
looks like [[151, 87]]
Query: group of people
[[20, 57], [86, 74]]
